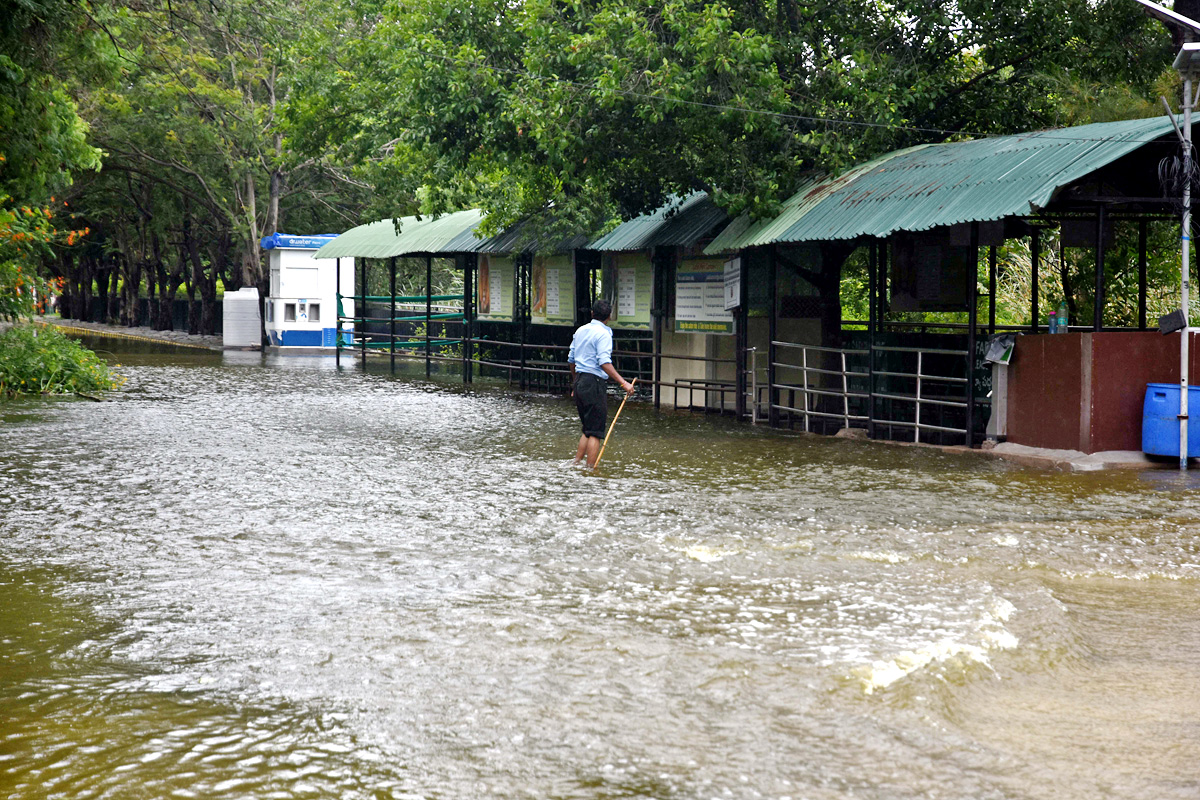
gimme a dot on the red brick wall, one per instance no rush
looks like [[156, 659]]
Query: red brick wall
[[1084, 391], [1044, 391]]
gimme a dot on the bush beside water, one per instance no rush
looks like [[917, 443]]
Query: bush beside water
[[36, 360]]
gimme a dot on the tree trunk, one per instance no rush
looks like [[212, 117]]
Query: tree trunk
[[218, 264], [102, 279], [191, 254], [130, 288], [83, 280], [112, 311], [250, 260], [67, 303], [151, 271]]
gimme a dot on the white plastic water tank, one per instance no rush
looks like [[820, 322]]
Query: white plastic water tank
[[242, 324]]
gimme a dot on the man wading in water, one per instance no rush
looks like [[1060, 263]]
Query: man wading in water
[[591, 365]]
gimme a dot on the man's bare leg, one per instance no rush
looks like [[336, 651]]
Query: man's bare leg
[[593, 451], [582, 451]]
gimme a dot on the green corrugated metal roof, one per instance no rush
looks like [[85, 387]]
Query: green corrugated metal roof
[[682, 221], [514, 239], [418, 235], [944, 184]]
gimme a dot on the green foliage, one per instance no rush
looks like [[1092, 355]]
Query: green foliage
[[410, 277], [572, 114], [44, 142], [199, 149], [37, 360]]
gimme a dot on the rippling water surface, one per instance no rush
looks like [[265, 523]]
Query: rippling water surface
[[250, 577]]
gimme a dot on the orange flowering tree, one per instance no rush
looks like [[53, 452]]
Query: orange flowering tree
[[27, 234]]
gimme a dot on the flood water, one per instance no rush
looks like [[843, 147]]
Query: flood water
[[249, 577]]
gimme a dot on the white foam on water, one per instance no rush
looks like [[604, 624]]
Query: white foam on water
[[988, 636], [706, 554], [1117, 575], [882, 557]]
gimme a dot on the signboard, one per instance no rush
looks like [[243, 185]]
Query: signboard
[[700, 298], [631, 275], [553, 279], [733, 283], [494, 298]]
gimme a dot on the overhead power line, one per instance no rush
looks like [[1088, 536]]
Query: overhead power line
[[814, 120]]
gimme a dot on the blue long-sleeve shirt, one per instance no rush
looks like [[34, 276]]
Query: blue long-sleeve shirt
[[591, 348]]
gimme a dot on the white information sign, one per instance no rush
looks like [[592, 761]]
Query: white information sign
[[552, 293], [700, 298], [626, 292], [733, 283], [495, 292]]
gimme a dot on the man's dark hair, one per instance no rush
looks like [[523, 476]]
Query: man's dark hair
[[601, 310]]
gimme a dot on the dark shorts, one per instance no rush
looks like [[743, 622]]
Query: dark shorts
[[591, 399]]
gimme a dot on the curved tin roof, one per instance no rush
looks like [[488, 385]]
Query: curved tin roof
[[944, 184], [417, 236], [681, 221]]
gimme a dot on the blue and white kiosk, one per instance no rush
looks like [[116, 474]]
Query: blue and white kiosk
[[302, 306]]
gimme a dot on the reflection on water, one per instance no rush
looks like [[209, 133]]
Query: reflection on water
[[250, 577]]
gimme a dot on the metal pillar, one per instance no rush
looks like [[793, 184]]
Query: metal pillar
[[468, 345], [881, 283], [772, 335], [972, 320], [992, 290], [337, 312], [658, 303], [1035, 258], [1098, 303], [1142, 262], [1185, 284], [362, 314], [872, 268], [521, 312], [428, 309], [583, 279], [392, 315], [741, 341]]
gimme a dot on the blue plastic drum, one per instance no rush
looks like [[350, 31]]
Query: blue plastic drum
[[1160, 420]]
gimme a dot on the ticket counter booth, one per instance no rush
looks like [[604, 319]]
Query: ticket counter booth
[[301, 309]]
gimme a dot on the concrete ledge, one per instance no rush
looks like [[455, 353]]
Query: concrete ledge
[[1076, 461], [175, 338]]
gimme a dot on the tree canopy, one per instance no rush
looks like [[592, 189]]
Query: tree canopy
[[589, 111]]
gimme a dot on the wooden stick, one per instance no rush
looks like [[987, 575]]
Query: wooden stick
[[610, 428]]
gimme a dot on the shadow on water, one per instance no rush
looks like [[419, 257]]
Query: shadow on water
[[256, 575]]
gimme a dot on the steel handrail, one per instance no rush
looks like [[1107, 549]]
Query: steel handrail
[[818, 348], [823, 371], [827, 414], [942, 378], [930, 350], [907, 398]]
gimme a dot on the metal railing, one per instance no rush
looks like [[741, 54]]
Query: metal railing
[[920, 399], [811, 390]]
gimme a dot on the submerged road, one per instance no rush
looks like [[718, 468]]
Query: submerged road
[[262, 577]]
